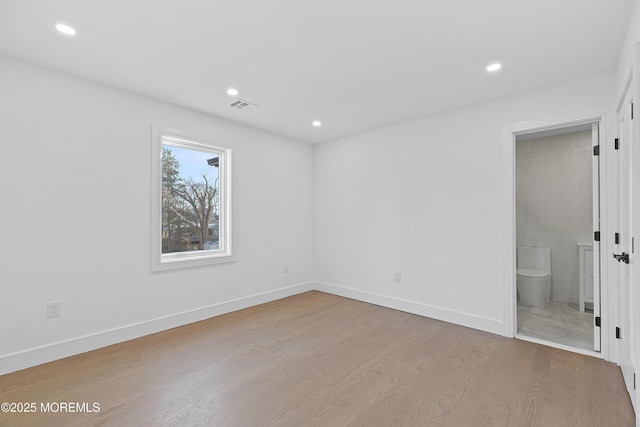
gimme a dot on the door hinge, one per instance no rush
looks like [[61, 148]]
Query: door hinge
[[632, 111], [617, 332], [633, 246], [596, 150], [616, 144], [596, 236], [634, 380], [598, 321], [616, 238]]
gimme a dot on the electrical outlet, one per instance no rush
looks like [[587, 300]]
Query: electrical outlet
[[285, 269], [397, 277], [54, 309]]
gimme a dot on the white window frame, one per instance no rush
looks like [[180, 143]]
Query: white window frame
[[199, 258]]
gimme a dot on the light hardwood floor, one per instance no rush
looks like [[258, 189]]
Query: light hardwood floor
[[320, 360]]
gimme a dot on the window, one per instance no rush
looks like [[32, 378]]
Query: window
[[190, 203]]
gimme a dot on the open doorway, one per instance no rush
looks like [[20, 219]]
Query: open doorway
[[554, 279], [554, 236]]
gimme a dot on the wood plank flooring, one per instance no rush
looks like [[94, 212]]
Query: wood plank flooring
[[320, 360]]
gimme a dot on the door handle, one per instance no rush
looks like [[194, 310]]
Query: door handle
[[623, 257]]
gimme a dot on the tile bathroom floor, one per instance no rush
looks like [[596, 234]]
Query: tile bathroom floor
[[557, 322]]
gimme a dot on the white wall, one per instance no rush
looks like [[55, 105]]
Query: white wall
[[629, 48], [75, 188], [427, 198], [554, 204]]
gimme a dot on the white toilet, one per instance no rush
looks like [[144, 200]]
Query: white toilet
[[533, 275]]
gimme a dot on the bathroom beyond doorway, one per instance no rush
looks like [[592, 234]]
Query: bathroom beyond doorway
[[555, 209]]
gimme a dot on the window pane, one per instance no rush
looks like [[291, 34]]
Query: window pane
[[190, 199]]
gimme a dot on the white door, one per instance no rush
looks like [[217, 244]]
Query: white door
[[623, 249], [595, 256]]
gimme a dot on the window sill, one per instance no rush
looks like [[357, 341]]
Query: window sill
[[190, 261]]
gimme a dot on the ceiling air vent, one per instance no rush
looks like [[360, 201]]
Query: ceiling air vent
[[242, 104]]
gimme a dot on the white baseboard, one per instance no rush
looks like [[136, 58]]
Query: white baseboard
[[50, 352], [458, 318]]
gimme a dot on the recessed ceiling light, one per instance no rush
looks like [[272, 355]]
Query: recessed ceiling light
[[233, 92], [66, 29], [316, 123], [494, 67]]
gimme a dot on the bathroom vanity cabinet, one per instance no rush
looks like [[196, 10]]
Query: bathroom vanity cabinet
[[585, 265]]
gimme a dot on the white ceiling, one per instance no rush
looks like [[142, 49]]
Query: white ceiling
[[354, 64]]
